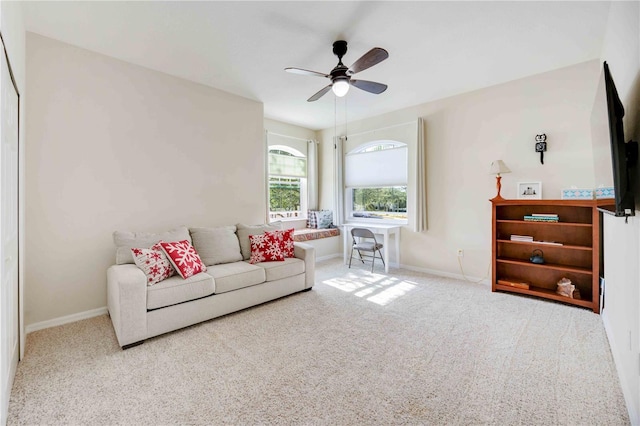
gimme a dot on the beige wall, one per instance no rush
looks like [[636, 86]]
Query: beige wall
[[113, 146], [289, 130], [464, 134]]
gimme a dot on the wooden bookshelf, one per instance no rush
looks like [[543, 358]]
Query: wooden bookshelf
[[571, 249]]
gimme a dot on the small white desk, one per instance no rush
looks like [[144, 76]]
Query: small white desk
[[381, 229]]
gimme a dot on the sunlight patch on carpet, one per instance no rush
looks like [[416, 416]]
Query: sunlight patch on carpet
[[379, 289], [390, 294]]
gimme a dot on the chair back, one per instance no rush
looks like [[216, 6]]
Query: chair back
[[362, 233]]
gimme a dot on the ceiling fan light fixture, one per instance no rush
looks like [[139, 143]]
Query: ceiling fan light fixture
[[340, 87], [340, 75]]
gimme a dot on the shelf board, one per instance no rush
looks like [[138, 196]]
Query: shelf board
[[536, 243], [555, 267], [537, 223], [547, 294]]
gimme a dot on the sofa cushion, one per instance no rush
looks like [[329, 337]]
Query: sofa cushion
[[154, 263], [216, 245], [243, 232], [176, 290], [278, 270], [125, 241], [232, 276]]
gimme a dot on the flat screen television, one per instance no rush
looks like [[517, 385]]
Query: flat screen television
[[614, 159]]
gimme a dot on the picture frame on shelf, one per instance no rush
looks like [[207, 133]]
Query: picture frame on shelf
[[529, 190]]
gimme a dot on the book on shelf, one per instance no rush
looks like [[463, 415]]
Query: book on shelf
[[521, 238], [545, 215], [551, 243], [540, 219], [514, 283]]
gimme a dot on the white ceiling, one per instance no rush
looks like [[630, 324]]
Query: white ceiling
[[436, 49]]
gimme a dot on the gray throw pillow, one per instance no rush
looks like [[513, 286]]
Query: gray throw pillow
[[216, 245], [125, 241]]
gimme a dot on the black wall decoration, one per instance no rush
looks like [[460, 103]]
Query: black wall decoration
[[541, 146]]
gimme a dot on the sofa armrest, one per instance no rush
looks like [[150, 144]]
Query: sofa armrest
[[127, 302], [307, 253]]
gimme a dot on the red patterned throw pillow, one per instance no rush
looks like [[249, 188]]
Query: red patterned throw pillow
[[285, 239], [265, 248], [184, 258], [153, 262]]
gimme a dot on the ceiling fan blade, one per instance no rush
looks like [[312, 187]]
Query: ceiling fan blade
[[369, 86], [305, 72], [319, 94], [369, 59]]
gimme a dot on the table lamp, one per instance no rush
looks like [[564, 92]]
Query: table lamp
[[498, 167]]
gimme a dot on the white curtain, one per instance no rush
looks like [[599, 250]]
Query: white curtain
[[338, 179], [266, 176], [418, 221], [312, 175]]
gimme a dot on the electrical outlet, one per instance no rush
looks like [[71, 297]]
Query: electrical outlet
[[460, 253]]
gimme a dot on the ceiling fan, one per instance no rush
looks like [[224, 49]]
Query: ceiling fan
[[341, 75]]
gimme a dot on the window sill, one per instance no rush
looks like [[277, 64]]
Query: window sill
[[288, 219]]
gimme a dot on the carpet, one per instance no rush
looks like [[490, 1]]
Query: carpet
[[360, 348]]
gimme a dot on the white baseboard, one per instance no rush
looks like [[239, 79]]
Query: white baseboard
[[327, 257], [475, 280], [66, 319], [633, 407]]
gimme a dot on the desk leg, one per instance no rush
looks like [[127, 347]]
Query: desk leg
[[396, 237], [344, 245], [386, 251]]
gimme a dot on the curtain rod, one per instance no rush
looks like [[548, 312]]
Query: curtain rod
[[290, 137], [383, 128]]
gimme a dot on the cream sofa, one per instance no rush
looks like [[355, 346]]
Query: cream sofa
[[230, 283]]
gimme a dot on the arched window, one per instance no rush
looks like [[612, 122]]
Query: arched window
[[287, 182], [376, 175]]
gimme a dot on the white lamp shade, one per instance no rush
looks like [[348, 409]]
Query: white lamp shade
[[498, 167], [340, 87]]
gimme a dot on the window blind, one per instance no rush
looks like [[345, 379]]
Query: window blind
[[387, 167], [286, 165]]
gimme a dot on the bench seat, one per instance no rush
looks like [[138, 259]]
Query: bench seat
[[309, 234]]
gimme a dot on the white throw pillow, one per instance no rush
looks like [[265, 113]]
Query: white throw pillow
[[324, 219], [153, 262]]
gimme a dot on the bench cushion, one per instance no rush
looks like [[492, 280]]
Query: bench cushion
[[176, 290], [290, 267], [308, 234], [232, 276]]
